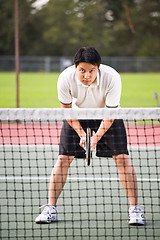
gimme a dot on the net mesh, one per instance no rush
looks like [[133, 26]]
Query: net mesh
[[93, 203]]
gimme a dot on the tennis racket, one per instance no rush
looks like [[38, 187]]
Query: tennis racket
[[88, 147]]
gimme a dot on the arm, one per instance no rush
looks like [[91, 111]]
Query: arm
[[103, 128], [75, 124], [112, 101]]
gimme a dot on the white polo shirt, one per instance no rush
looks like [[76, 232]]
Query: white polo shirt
[[104, 92]]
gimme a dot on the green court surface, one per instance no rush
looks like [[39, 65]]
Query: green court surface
[[93, 204]]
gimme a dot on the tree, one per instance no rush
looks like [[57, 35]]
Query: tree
[[28, 27], [7, 27], [144, 41], [115, 28]]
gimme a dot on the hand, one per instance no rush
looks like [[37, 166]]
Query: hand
[[94, 140], [83, 141]]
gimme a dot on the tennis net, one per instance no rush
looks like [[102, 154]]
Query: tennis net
[[93, 203]]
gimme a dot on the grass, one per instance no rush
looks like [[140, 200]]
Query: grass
[[36, 90], [39, 90], [138, 89]]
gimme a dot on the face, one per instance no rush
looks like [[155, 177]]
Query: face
[[87, 73]]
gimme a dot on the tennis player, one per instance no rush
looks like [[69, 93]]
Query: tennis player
[[89, 84]]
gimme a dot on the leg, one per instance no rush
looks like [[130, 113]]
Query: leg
[[57, 181], [127, 177], [58, 178]]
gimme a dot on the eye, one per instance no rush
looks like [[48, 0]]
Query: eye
[[82, 70]]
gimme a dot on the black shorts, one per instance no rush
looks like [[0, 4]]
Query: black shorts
[[113, 142]]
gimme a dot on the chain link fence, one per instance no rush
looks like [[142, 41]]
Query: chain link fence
[[58, 64]]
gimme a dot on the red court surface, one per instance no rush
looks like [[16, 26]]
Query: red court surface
[[48, 134]]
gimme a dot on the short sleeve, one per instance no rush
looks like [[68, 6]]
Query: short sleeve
[[63, 88], [114, 92]]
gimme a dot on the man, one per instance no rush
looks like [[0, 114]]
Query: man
[[89, 84]]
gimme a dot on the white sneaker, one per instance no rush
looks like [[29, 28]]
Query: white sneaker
[[136, 216], [48, 215]]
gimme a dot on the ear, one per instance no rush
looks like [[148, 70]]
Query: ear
[[75, 65]]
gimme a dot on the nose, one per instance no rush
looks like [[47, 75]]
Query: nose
[[87, 75]]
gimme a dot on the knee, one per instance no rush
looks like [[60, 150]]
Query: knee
[[64, 160], [122, 160]]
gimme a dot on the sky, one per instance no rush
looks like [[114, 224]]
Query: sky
[[39, 3]]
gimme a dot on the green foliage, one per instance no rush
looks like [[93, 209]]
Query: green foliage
[[7, 27], [115, 28]]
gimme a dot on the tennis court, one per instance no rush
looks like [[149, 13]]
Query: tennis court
[[93, 204]]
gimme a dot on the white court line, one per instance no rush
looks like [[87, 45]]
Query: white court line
[[55, 147], [35, 178], [132, 147]]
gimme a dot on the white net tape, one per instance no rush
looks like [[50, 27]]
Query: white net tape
[[43, 114]]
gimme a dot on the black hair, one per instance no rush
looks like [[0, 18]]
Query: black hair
[[88, 55]]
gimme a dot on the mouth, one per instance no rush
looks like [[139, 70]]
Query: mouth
[[86, 81]]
